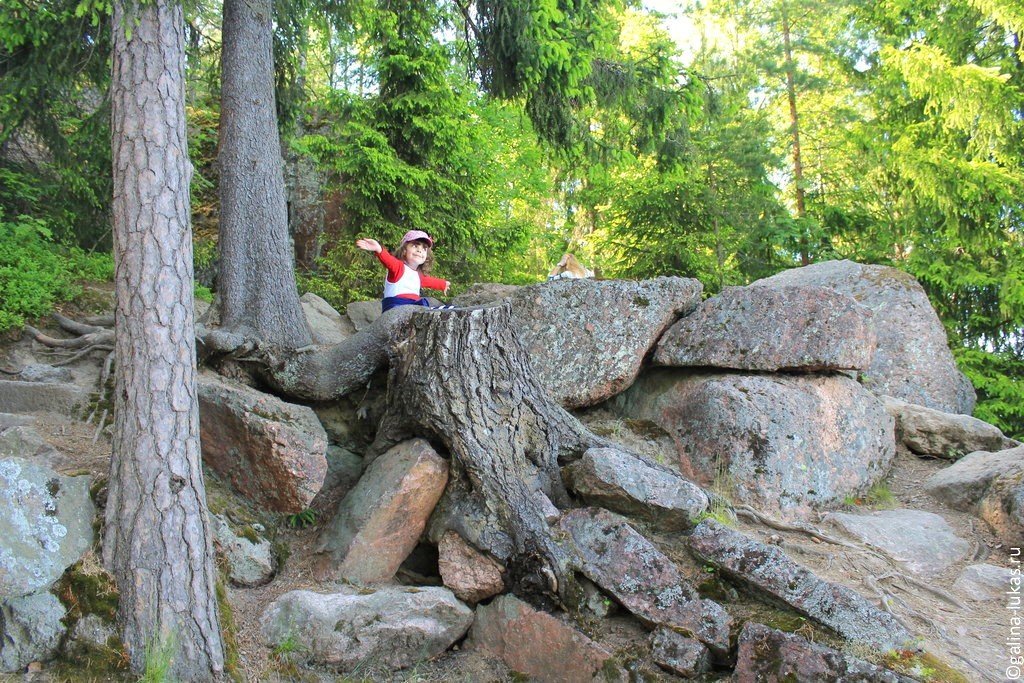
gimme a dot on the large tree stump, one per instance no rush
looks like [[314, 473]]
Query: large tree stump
[[462, 379]]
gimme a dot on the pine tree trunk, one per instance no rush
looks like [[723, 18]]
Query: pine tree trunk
[[463, 379], [257, 293], [158, 538], [794, 127]]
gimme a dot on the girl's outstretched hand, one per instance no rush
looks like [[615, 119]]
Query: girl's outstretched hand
[[367, 244]]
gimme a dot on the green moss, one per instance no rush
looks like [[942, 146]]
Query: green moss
[[922, 666], [87, 592], [228, 630]]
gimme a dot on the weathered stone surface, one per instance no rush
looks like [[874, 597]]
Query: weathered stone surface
[[641, 578], [45, 525], [470, 574], [619, 481], [925, 431], [587, 338], [990, 485], [344, 468], [467, 517], [768, 570], [25, 442], [272, 452], [678, 654], [923, 542], [772, 328], [534, 643], [327, 325], [481, 293], [376, 631], [41, 372], [381, 519], [984, 582], [912, 361], [782, 444], [769, 656], [30, 397], [963, 484], [91, 633], [363, 313], [250, 557], [30, 630], [11, 420]]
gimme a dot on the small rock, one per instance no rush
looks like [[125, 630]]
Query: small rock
[[40, 372], [25, 442], [933, 433], [987, 484], [251, 560], [63, 398], [678, 654], [534, 643], [470, 574], [372, 631], [363, 313], [922, 541], [326, 324]]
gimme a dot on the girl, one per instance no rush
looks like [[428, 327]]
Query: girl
[[407, 272]]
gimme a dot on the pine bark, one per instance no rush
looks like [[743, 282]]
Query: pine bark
[[158, 538], [257, 292], [463, 379]]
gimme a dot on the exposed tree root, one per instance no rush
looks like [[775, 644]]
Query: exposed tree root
[[799, 527]]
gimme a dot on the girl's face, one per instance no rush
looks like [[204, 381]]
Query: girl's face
[[416, 254]]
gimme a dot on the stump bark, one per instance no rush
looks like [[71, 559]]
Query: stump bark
[[463, 379]]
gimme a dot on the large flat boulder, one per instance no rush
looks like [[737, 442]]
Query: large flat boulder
[[912, 361], [783, 444], [923, 542], [767, 570], [370, 631], [45, 525], [587, 338], [380, 521], [534, 643], [642, 579], [622, 482], [270, 451], [769, 656], [933, 433], [63, 398], [770, 329]]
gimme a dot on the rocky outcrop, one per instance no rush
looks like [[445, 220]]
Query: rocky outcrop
[[380, 521], [372, 631], [769, 656], [912, 361], [45, 525], [470, 574], [622, 482], [30, 630], [482, 293], [326, 324], [990, 485], [25, 442], [985, 582], [771, 329], [63, 398], [782, 444], [642, 579], [767, 570], [535, 644], [936, 434], [587, 338], [922, 542], [270, 451]]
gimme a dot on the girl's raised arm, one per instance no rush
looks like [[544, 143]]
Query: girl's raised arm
[[367, 244]]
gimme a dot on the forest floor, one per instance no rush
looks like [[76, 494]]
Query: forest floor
[[970, 637]]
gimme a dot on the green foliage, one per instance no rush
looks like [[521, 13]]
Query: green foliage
[[301, 520], [999, 380], [160, 652], [36, 272]]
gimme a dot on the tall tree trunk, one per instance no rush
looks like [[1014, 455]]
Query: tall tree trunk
[[158, 538], [257, 290], [463, 379], [794, 127]]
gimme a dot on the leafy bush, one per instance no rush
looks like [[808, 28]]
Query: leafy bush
[[36, 272]]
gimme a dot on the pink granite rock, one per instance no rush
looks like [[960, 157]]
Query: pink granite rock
[[470, 574], [380, 521], [270, 451]]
